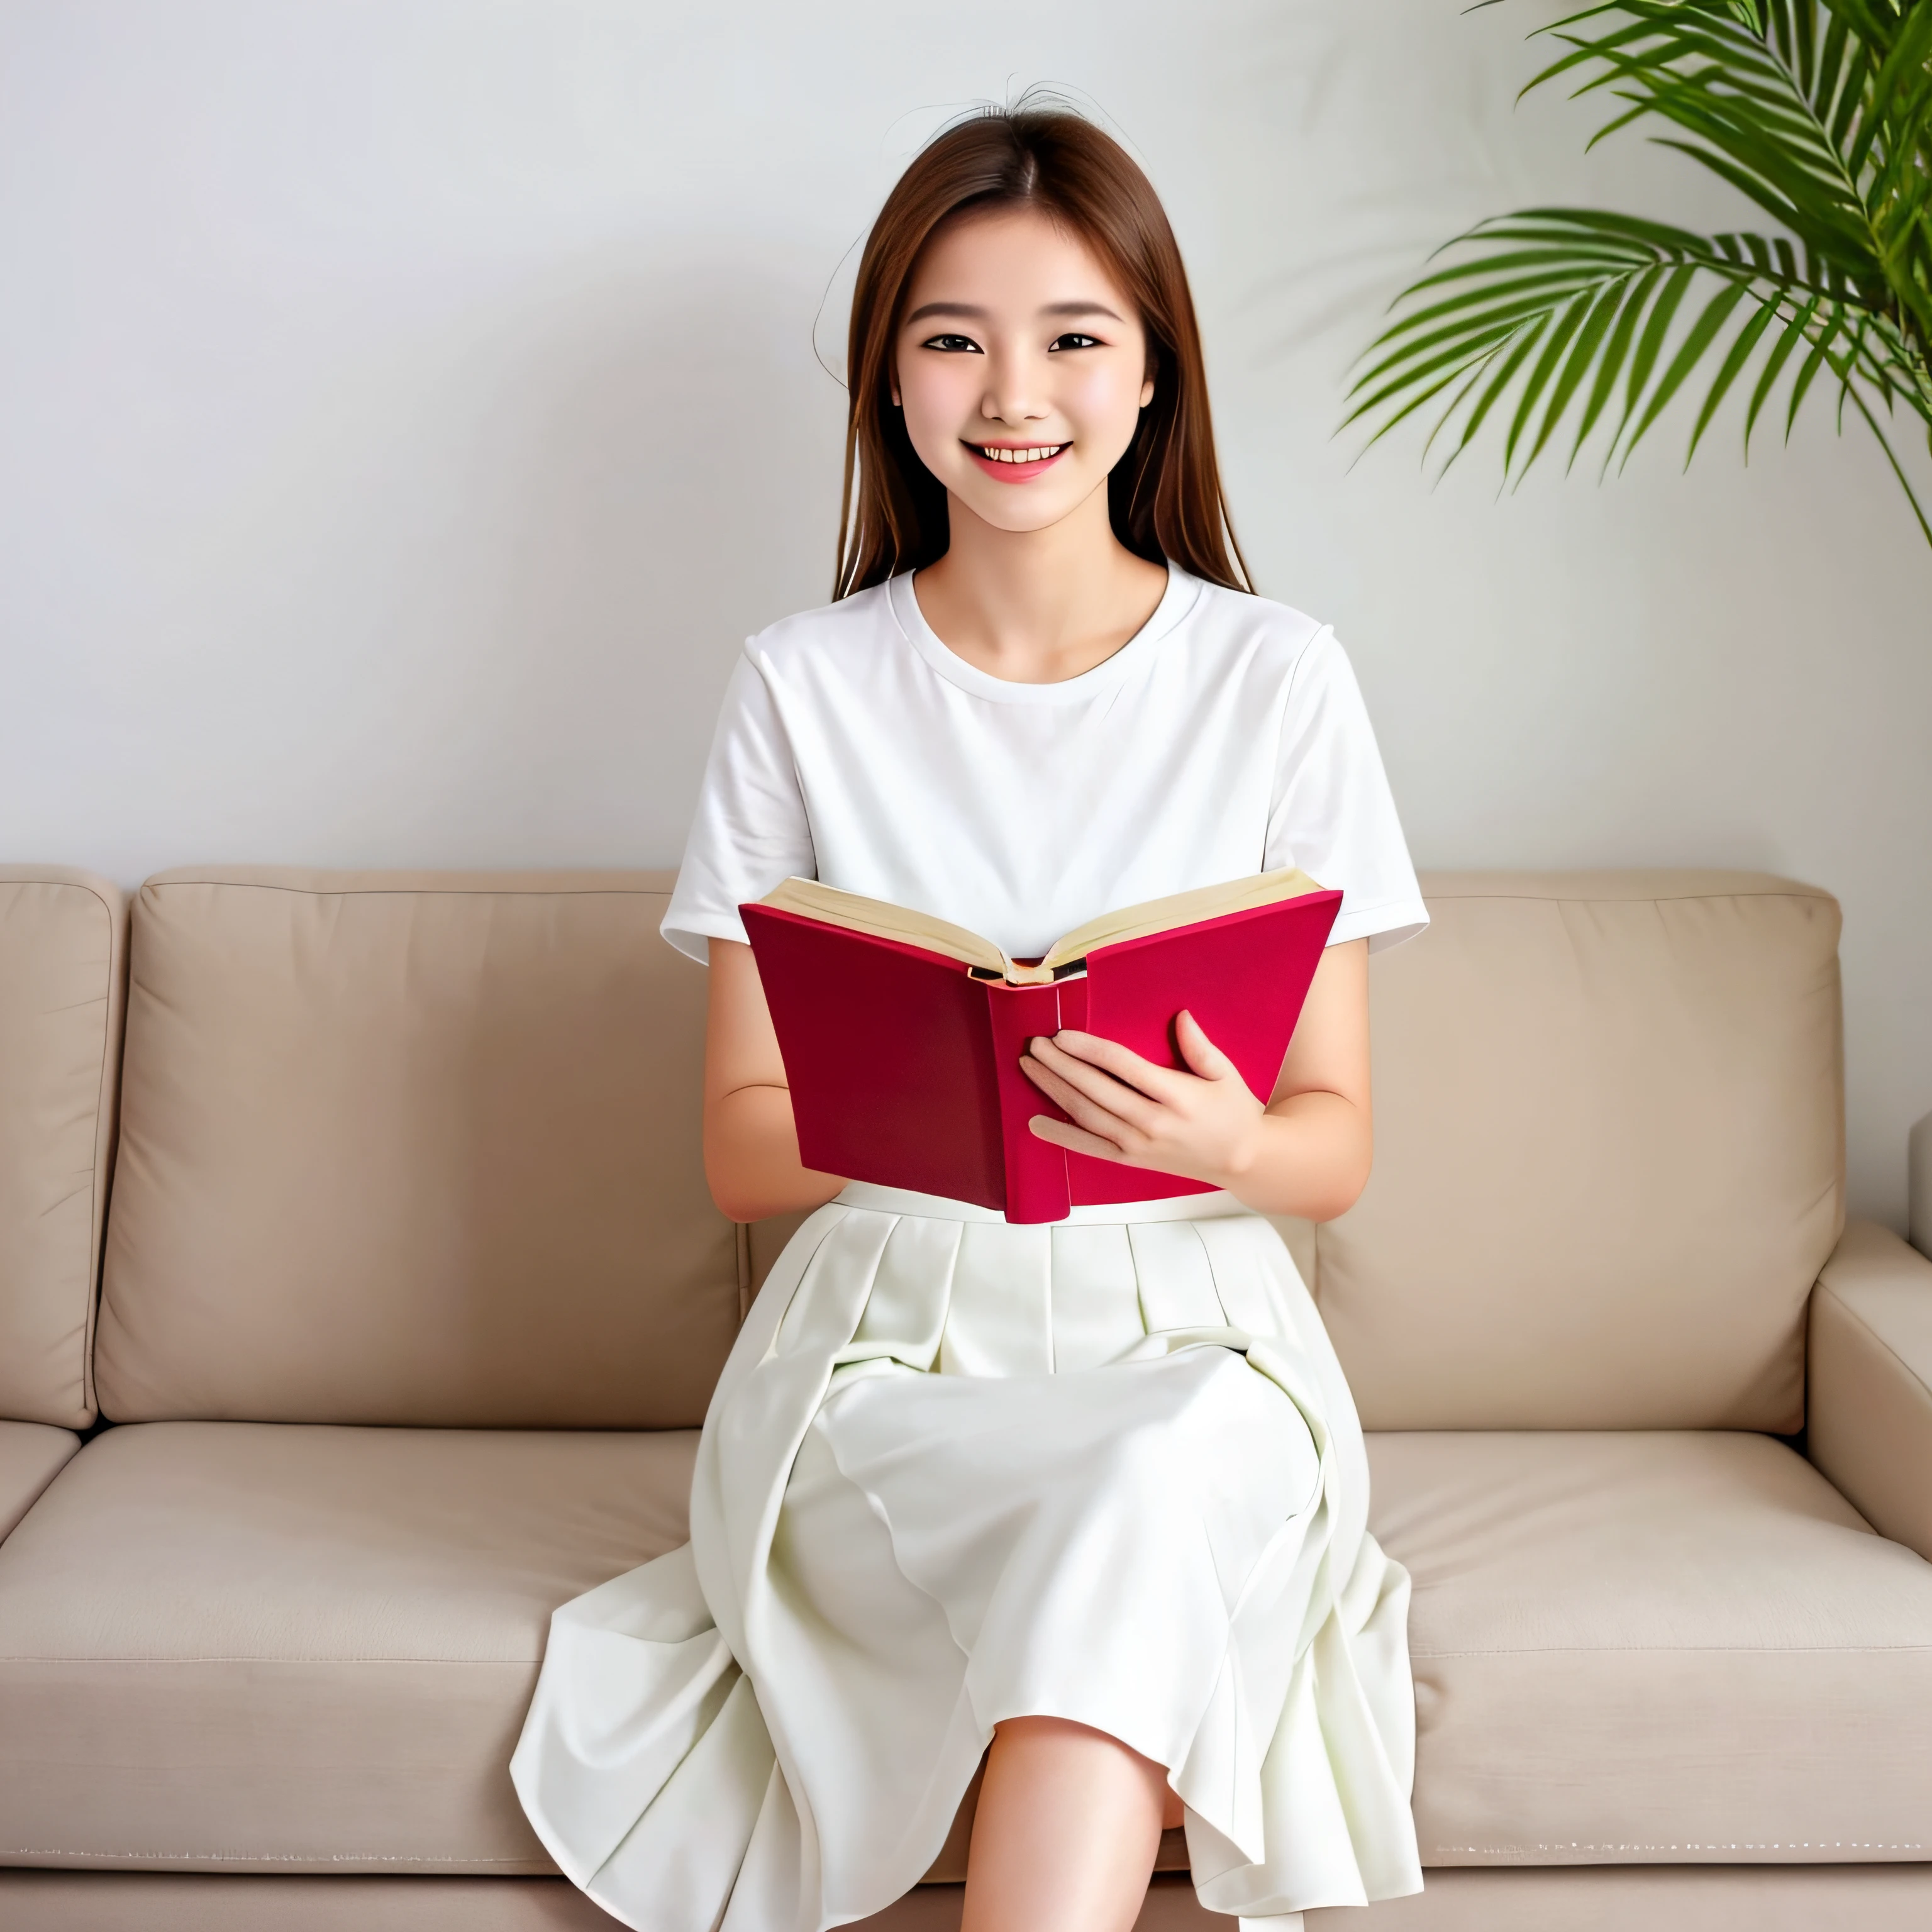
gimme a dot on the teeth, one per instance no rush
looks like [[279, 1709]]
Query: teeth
[[1039, 455]]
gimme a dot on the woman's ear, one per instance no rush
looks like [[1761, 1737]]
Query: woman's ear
[[1146, 392], [892, 384]]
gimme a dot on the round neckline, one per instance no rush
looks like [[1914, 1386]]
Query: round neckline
[[1176, 601]]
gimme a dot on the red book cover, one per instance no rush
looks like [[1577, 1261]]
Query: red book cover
[[904, 1064]]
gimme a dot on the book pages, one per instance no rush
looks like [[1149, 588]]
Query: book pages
[[1163, 915], [812, 898]]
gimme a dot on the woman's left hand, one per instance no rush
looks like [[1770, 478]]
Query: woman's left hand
[[1203, 1124]]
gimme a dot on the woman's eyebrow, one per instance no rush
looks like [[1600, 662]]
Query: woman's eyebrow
[[920, 313], [977, 314]]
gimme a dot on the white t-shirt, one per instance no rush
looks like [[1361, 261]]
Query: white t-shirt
[[1226, 737]]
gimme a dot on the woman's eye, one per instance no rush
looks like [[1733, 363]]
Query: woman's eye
[[1074, 340], [956, 345]]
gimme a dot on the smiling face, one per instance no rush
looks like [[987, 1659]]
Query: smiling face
[[1020, 367]]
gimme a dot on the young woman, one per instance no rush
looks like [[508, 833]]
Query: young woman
[[1087, 1501]]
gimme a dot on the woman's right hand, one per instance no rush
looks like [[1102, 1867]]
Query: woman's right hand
[[751, 1143]]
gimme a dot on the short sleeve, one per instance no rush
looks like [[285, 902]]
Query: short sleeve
[[1332, 813], [750, 830]]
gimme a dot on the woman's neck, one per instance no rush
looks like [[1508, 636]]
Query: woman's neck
[[1037, 607]]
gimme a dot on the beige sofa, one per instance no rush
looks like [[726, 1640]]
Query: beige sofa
[[412, 1296]]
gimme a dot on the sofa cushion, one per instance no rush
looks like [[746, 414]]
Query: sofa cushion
[[1655, 1647], [1609, 1156], [413, 1148], [232, 1646], [62, 955], [31, 1456]]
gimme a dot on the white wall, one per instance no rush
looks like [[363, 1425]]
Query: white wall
[[407, 406]]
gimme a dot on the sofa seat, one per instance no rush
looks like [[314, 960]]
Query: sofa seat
[[272, 1647], [31, 1456], [1654, 1647]]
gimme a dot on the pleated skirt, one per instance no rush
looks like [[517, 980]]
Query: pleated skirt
[[957, 1471]]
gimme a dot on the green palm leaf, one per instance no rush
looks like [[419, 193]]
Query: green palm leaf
[[1820, 112]]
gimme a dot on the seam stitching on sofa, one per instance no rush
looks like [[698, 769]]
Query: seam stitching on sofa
[[1689, 1845], [1816, 897], [421, 892], [337, 1657], [1687, 1650], [273, 1858]]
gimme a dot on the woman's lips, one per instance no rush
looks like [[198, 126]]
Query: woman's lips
[[1015, 472]]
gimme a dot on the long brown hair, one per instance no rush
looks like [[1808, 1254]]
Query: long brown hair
[[1164, 497]]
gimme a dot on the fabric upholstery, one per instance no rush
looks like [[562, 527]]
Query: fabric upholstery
[[1609, 1156], [1867, 1898], [1828, 1898], [1860, 1898], [1871, 1898], [234, 1646], [1623, 1899], [1654, 1647], [1869, 1425], [59, 1901], [418, 1149], [31, 1456], [62, 968]]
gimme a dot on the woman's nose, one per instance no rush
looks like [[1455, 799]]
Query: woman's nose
[[1014, 394]]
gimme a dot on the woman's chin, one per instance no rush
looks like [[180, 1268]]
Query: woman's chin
[[1018, 510]]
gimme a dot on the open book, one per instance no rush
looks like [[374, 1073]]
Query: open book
[[884, 920], [902, 1034]]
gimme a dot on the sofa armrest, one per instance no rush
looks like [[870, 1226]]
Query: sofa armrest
[[1868, 1423]]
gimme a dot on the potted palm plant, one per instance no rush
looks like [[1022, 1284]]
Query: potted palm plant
[[1821, 112]]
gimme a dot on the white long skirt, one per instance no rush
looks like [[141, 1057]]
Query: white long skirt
[[957, 1471]]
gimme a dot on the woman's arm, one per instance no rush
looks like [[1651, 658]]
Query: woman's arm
[[751, 1145], [1306, 1152]]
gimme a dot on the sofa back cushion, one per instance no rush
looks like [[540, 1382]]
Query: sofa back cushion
[[1609, 1156], [413, 1148], [63, 951]]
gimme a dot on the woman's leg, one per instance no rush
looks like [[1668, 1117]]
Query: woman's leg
[[1064, 1839]]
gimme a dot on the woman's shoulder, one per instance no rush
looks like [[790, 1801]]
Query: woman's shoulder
[[840, 634], [1274, 636]]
